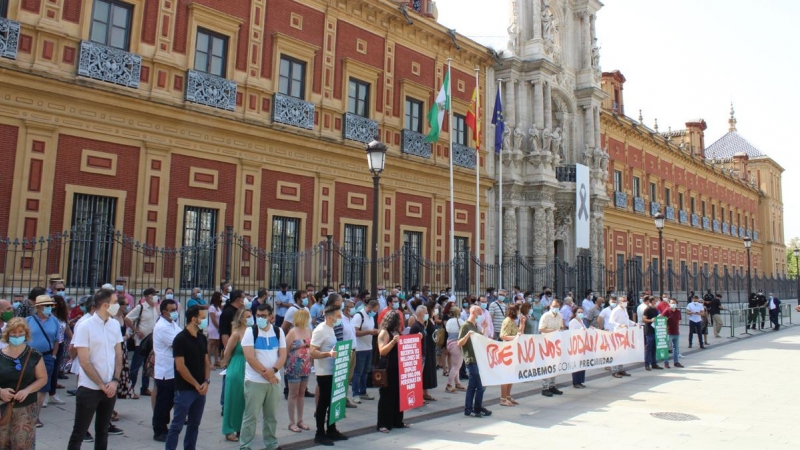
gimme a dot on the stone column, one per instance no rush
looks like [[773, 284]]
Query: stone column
[[509, 231], [538, 104], [539, 236], [509, 103], [524, 108], [524, 219], [588, 128], [551, 233], [586, 40], [548, 107], [597, 143]]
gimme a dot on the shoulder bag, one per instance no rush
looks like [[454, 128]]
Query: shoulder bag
[[7, 409]]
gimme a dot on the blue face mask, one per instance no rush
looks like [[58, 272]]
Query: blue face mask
[[484, 305], [15, 305], [16, 340], [372, 314], [465, 304], [173, 316], [305, 302], [203, 324], [120, 288], [262, 322], [395, 305], [325, 300], [401, 296], [338, 323], [250, 322], [169, 296], [61, 293], [47, 311], [83, 309], [199, 295], [247, 304], [425, 318]]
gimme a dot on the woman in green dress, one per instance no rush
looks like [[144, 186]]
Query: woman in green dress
[[233, 410]]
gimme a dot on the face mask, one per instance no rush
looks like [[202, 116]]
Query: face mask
[[305, 302], [61, 293], [173, 316], [249, 322], [127, 308], [554, 311], [113, 309], [401, 296], [529, 299], [169, 296], [406, 316], [343, 290], [502, 298], [247, 304], [15, 305], [199, 295], [395, 305], [262, 322], [16, 341], [342, 307], [47, 311], [120, 288], [624, 304], [579, 316], [230, 288], [425, 318], [372, 314], [83, 309], [465, 304], [7, 315], [416, 296], [338, 323], [612, 304], [479, 320], [203, 324], [325, 300], [484, 306], [673, 306]]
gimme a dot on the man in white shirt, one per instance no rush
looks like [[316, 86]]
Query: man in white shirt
[[546, 299], [323, 342], [646, 300], [566, 311], [141, 320], [363, 323], [164, 374], [602, 319], [381, 296], [283, 300], [550, 322], [588, 301], [98, 343], [696, 311], [265, 355], [299, 301], [618, 319]]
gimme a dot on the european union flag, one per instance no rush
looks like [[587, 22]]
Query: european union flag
[[499, 123]]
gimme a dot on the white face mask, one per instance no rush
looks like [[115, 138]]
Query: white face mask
[[113, 309]]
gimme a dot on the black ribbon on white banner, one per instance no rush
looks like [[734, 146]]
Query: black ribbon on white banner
[[583, 212]]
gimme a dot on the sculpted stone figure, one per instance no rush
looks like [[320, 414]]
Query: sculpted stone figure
[[595, 54], [519, 138], [587, 157], [547, 137], [507, 137], [548, 22], [533, 136], [557, 144]]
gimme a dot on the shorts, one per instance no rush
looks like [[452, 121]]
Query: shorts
[[296, 379]]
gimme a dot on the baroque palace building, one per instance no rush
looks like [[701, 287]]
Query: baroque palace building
[[174, 120], [713, 197]]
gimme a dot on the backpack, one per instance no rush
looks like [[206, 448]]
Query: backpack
[[275, 330]]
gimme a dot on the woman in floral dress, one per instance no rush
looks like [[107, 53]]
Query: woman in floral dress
[[298, 368]]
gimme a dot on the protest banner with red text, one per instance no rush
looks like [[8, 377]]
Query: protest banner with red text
[[533, 357], [409, 360]]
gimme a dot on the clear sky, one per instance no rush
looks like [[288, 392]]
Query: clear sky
[[689, 59]]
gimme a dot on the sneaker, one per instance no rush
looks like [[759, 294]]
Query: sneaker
[[666, 364], [367, 397], [657, 367], [624, 374], [160, 438], [555, 390], [72, 392], [336, 435], [321, 439], [679, 365], [647, 368], [485, 412], [55, 400], [474, 414], [547, 393], [112, 429], [350, 404], [44, 404], [308, 394], [356, 400], [88, 437], [39, 424]]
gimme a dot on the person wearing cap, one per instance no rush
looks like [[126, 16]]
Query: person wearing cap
[[53, 288], [122, 289], [141, 321], [44, 338]]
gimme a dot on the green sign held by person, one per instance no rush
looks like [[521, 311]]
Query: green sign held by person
[[341, 375], [662, 340]]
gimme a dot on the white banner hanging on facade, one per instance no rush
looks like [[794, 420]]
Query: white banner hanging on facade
[[582, 210], [533, 357]]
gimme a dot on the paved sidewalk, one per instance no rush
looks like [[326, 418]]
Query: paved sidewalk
[[710, 387]]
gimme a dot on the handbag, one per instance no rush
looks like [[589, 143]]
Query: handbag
[[380, 378], [7, 409]]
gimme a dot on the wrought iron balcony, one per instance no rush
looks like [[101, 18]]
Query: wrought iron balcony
[[695, 220], [669, 213], [706, 223], [684, 217], [755, 235], [742, 233], [359, 129], [463, 156], [726, 229], [638, 204], [414, 144], [734, 231], [109, 64], [620, 199], [748, 234], [210, 90], [715, 226], [655, 208], [293, 111], [566, 173], [9, 38]]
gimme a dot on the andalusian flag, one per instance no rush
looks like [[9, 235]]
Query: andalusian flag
[[473, 118], [440, 105]]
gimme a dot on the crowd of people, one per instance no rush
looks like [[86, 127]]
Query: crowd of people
[[260, 343]]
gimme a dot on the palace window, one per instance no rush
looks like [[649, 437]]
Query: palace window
[[3, 8], [691, 204], [703, 208], [461, 263], [111, 23], [285, 245], [413, 120], [198, 255], [85, 210], [636, 187], [291, 79], [680, 201], [617, 181], [354, 256], [358, 98], [211, 53], [412, 256], [713, 212], [653, 192], [668, 197], [460, 130]]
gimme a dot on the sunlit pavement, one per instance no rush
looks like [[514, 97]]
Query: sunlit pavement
[[737, 393]]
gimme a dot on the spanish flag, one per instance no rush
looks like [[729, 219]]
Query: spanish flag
[[473, 119]]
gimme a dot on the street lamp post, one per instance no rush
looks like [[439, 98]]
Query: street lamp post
[[797, 271], [747, 242], [659, 219], [376, 158]]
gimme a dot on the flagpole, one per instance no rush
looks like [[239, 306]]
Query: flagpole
[[477, 244], [452, 197], [500, 210]]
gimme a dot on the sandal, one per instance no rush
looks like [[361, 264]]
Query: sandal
[[445, 373], [428, 398], [512, 401], [383, 430], [449, 389], [406, 425], [460, 387], [294, 428], [303, 426], [115, 417], [505, 402], [232, 437], [616, 375], [135, 396]]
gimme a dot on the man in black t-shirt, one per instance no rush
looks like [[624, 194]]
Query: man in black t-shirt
[[648, 318], [714, 307], [192, 371], [761, 302]]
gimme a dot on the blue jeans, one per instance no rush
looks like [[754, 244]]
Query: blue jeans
[[675, 339], [474, 401], [363, 363], [187, 403], [649, 349], [136, 364]]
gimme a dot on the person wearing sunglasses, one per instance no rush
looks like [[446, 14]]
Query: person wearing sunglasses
[[22, 375]]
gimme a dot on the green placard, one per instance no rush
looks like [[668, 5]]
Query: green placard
[[341, 372], [662, 340]]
